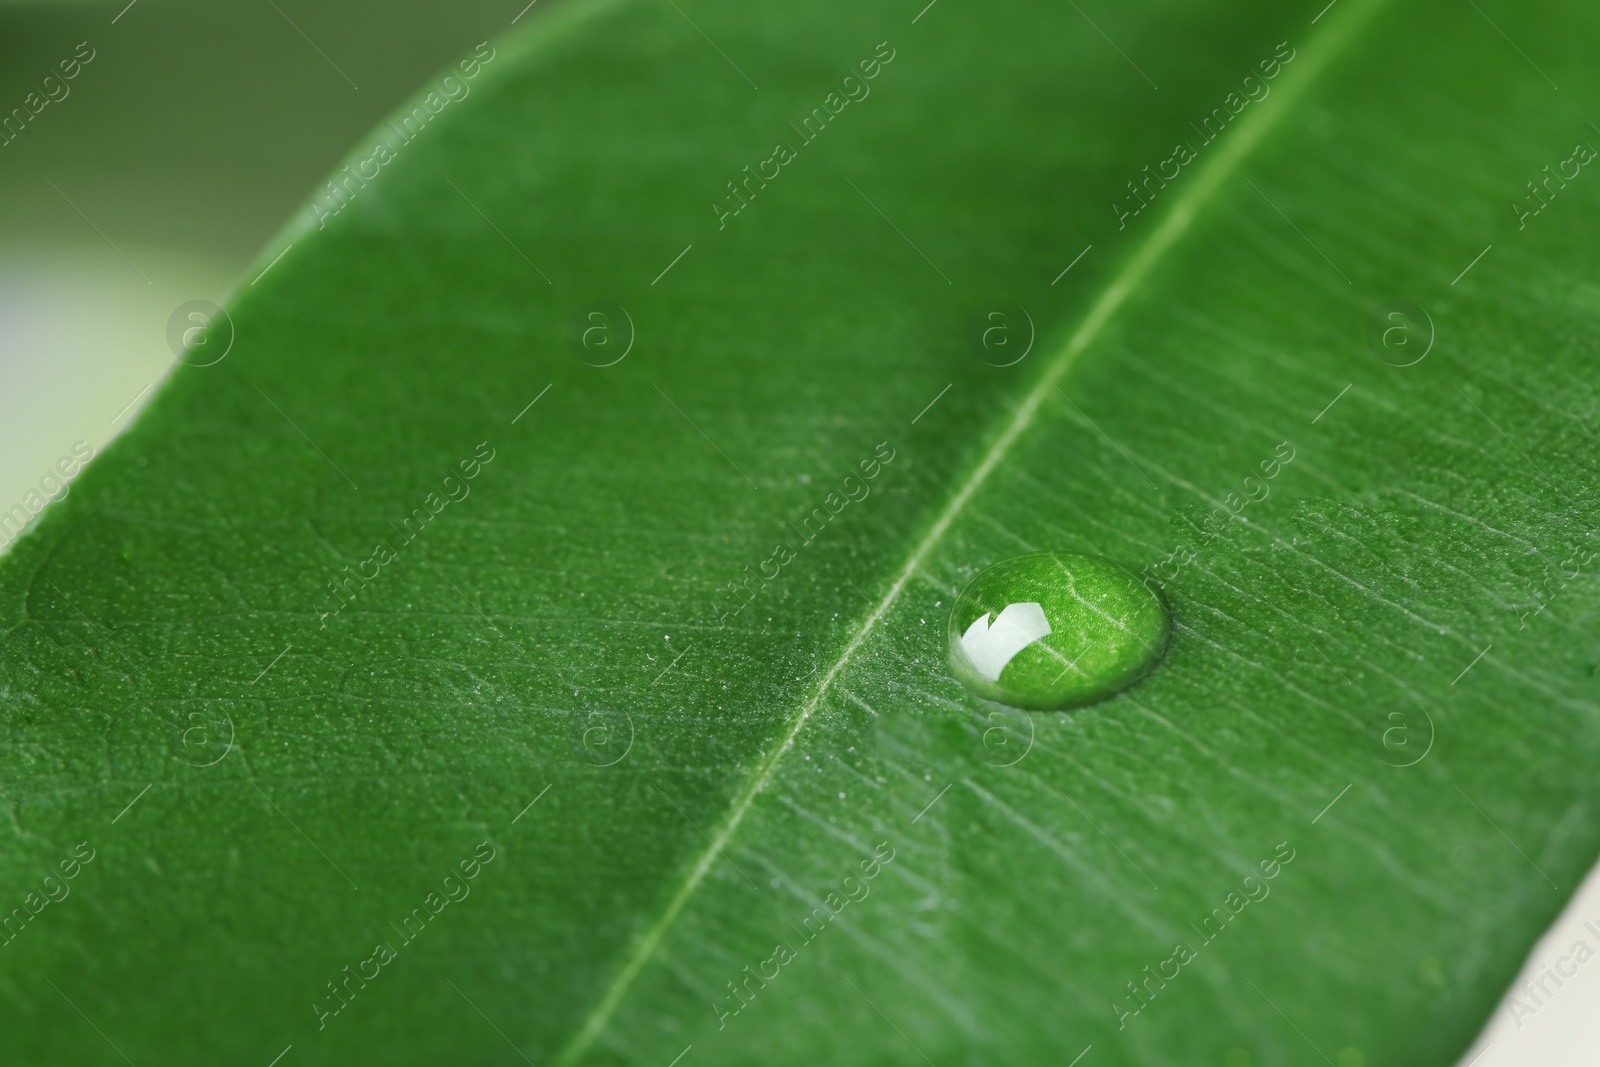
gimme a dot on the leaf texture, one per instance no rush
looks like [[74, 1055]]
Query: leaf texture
[[781, 832]]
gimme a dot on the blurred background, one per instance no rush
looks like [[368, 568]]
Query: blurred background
[[191, 135], [177, 151]]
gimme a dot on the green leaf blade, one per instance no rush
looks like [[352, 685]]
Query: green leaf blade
[[576, 588]]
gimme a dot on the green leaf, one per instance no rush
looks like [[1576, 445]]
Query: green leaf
[[1354, 792]]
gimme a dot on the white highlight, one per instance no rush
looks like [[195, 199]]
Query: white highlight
[[990, 648]]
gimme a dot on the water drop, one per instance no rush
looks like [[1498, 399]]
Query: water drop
[[1053, 630]]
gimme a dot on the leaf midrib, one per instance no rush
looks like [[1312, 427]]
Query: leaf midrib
[[1182, 212]]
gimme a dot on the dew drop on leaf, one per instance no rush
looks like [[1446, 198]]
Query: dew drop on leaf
[[1054, 630]]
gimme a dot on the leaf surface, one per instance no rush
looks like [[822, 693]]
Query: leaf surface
[[784, 834]]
